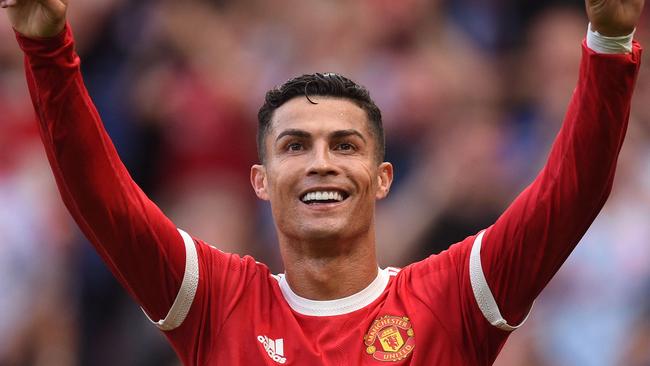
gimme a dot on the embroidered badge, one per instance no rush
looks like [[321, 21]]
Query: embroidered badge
[[390, 338]]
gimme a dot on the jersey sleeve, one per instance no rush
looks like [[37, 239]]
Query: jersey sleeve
[[142, 247], [512, 261]]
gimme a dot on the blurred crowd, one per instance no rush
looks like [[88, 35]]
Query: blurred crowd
[[472, 93]]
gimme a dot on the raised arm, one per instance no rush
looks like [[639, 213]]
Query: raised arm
[[140, 245], [521, 252]]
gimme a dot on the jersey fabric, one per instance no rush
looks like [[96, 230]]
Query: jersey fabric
[[454, 308]]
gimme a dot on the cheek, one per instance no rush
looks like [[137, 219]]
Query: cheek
[[280, 180], [366, 178]]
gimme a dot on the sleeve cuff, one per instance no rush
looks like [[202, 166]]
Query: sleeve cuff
[[44, 46], [609, 45]]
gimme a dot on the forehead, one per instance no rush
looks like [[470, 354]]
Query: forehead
[[329, 114]]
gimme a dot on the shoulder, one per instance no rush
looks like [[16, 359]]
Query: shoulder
[[447, 262], [440, 280]]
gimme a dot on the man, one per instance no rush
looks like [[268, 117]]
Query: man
[[321, 151]]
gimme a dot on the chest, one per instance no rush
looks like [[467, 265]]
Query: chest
[[389, 331]]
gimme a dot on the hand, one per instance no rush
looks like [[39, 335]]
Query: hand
[[36, 18], [614, 18]]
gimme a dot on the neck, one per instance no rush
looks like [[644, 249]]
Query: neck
[[338, 269]]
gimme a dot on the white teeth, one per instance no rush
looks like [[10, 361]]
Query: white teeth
[[322, 196]]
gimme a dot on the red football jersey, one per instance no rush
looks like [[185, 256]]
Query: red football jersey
[[454, 308]]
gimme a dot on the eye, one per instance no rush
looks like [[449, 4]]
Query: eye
[[295, 146], [345, 146]]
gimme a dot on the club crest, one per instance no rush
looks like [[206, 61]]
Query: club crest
[[390, 338]]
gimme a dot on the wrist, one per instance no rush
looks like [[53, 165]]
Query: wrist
[[39, 29], [54, 31], [611, 31], [40, 46]]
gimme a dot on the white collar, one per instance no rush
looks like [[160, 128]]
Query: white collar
[[342, 306]]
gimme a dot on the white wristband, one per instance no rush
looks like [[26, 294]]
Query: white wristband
[[609, 45]]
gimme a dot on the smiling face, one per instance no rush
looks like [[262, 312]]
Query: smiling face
[[321, 172]]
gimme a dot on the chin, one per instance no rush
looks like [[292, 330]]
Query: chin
[[322, 233], [335, 231]]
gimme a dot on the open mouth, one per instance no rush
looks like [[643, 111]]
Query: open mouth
[[321, 197]]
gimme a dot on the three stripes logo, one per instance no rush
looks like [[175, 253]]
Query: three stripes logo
[[274, 348]]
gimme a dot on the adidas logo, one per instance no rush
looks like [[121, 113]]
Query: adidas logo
[[274, 348]]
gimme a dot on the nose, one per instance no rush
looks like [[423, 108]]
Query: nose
[[321, 162]]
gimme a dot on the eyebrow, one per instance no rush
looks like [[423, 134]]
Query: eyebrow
[[304, 134], [345, 133], [293, 132]]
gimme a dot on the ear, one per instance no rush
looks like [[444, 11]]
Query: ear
[[258, 181], [384, 179]]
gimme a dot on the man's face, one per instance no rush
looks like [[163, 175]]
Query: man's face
[[321, 174]]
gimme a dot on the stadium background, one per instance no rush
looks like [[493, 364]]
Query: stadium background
[[472, 94]]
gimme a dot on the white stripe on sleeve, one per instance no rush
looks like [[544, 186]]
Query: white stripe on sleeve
[[181, 306], [482, 292]]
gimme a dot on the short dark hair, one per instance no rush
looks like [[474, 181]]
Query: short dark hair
[[320, 84]]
